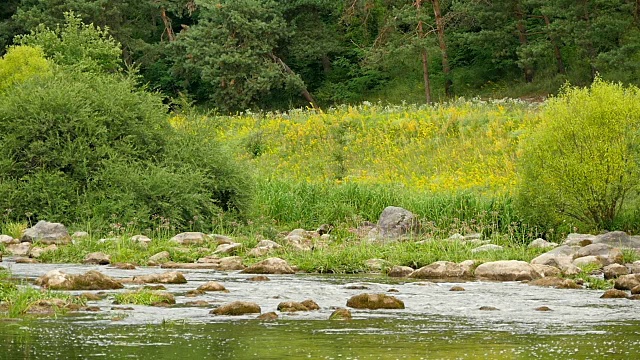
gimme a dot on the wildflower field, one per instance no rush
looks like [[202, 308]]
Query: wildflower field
[[452, 164]]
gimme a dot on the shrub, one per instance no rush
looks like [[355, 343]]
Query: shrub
[[81, 147], [21, 63], [580, 163]]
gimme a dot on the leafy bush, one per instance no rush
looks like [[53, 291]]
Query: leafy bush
[[581, 162], [21, 63], [81, 147]]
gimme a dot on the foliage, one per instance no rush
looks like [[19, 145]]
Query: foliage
[[140, 297], [21, 63], [85, 46], [581, 161], [79, 147]]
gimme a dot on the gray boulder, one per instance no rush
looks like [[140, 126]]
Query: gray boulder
[[227, 248], [627, 282], [506, 270], [141, 239], [47, 233], [487, 247], [190, 238], [604, 252], [395, 222], [159, 258], [614, 271], [21, 249], [618, 239], [6, 239], [575, 239], [91, 280], [541, 244]]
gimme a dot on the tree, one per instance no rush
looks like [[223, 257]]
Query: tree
[[232, 51]]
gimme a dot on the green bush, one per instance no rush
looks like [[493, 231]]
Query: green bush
[[580, 163], [21, 63], [80, 147]]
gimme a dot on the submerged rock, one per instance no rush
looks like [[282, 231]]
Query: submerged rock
[[212, 286], [442, 270], [375, 301], [506, 270], [270, 266], [456, 288], [556, 282], [172, 277], [91, 280], [614, 294], [270, 316], [340, 314], [292, 306], [47, 233], [237, 308]]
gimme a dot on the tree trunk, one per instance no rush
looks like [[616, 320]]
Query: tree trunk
[[425, 58], [556, 49], [522, 37], [304, 92], [167, 24], [443, 47]]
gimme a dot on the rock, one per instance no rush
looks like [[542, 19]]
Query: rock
[[258, 252], [396, 221], [555, 282], [263, 248], [212, 286], [546, 270], [627, 282], [47, 233], [615, 270], [190, 238], [605, 253], [634, 268], [376, 265], [635, 290], [171, 277], [506, 270], [588, 261], [6, 239], [571, 270], [614, 294], [442, 270], [618, 239], [324, 229], [340, 314], [400, 271], [270, 316], [97, 258], [221, 239], [25, 260], [574, 239], [543, 308], [124, 266], [37, 252], [269, 266], [259, 278], [21, 249], [541, 244], [80, 235], [227, 248], [292, 306], [375, 301], [160, 257], [488, 308], [141, 239], [560, 257], [90, 296], [221, 264], [91, 280], [456, 288], [237, 308], [197, 303], [487, 247]]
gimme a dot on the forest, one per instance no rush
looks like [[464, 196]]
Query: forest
[[234, 55]]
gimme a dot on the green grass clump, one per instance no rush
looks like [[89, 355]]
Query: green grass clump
[[13, 229], [143, 297], [590, 281]]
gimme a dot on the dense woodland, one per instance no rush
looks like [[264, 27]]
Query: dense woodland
[[233, 55]]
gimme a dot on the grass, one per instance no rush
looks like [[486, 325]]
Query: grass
[[590, 281], [141, 297], [13, 229], [18, 299]]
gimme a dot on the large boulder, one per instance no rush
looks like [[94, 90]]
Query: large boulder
[[375, 301], [394, 222], [560, 257], [614, 271], [190, 238], [506, 270], [270, 266], [237, 308], [171, 277], [442, 270], [604, 252], [47, 233], [575, 239], [91, 280], [618, 239], [627, 282], [211, 286]]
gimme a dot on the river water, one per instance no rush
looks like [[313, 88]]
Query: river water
[[435, 324]]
